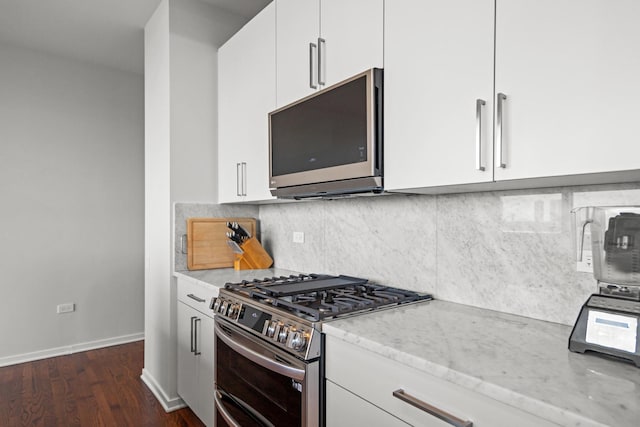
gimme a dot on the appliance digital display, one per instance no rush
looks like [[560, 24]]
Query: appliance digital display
[[321, 132], [252, 318]]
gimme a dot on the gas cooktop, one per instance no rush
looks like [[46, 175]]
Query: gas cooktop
[[318, 297]]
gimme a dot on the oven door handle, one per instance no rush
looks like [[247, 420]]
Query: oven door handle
[[217, 397], [262, 360], [244, 407]]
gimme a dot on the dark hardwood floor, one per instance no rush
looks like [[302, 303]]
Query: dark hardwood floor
[[93, 388]]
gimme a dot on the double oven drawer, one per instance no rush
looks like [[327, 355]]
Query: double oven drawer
[[258, 384]]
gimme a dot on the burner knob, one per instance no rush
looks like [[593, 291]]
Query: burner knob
[[234, 309], [271, 330], [223, 308], [282, 336], [216, 305], [298, 340]]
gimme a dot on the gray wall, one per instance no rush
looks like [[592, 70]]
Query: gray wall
[[71, 204], [510, 251]]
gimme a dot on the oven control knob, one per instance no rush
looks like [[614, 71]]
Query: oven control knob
[[282, 336], [224, 307], [216, 305], [298, 340], [271, 330], [234, 309]]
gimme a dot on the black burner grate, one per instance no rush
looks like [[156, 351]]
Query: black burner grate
[[322, 296]]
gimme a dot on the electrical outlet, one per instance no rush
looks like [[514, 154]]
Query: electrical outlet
[[586, 265], [66, 308], [298, 237]]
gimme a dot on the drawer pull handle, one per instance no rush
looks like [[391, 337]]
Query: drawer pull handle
[[432, 410], [193, 297]]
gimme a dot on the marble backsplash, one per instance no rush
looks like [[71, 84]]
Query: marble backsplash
[[510, 251]]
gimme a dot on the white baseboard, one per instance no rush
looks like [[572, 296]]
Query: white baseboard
[[70, 349], [169, 404]]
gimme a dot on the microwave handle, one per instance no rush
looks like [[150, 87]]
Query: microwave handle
[[313, 69]]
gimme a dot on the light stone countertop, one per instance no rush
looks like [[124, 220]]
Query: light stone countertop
[[516, 360]]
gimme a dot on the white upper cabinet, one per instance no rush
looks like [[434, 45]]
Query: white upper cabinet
[[563, 109], [569, 70], [353, 36], [246, 94], [322, 42], [438, 88], [297, 32]]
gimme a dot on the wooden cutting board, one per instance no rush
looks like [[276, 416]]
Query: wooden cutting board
[[207, 242]]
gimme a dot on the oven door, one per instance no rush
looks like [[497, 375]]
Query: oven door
[[258, 384]]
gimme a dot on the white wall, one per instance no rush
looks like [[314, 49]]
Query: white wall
[[157, 320], [181, 42], [71, 204]]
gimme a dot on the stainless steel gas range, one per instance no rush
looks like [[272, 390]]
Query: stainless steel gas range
[[269, 344]]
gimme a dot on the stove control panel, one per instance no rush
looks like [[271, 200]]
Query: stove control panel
[[284, 332], [287, 333]]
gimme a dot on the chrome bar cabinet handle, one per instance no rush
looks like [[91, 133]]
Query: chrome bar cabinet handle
[[499, 137], [192, 337], [479, 104], [431, 410], [196, 350], [322, 56], [313, 70], [238, 179], [244, 178]]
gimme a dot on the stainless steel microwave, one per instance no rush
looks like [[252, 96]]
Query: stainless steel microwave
[[329, 144]]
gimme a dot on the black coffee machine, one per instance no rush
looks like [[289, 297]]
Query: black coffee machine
[[609, 322]]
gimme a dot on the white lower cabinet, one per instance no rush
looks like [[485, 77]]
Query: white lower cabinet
[[361, 385], [196, 348]]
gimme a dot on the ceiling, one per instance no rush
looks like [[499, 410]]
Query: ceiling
[[106, 32]]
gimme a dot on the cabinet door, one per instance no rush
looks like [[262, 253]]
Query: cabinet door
[[246, 87], [569, 69], [345, 409], [353, 38], [187, 368], [298, 25], [438, 63]]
